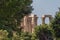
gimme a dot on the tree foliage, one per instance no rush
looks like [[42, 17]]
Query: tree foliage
[[3, 35], [44, 32], [11, 13], [25, 36], [55, 24]]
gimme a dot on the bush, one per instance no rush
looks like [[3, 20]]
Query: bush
[[44, 32], [3, 35]]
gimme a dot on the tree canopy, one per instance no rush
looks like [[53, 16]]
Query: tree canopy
[[55, 24], [11, 13], [44, 32]]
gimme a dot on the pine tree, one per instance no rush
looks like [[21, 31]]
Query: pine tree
[[55, 24]]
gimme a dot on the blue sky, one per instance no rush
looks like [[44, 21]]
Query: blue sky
[[42, 7]]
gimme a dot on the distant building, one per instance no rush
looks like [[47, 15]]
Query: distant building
[[44, 17], [29, 22]]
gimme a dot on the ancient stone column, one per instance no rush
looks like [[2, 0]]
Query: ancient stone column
[[29, 24], [25, 24], [34, 22], [50, 18], [43, 19]]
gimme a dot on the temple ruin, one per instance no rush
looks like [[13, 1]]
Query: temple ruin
[[45, 16], [29, 22]]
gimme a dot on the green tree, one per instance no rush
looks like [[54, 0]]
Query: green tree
[[25, 36], [11, 13], [44, 32], [55, 24]]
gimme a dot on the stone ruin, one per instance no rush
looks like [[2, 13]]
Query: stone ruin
[[45, 16], [30, 21]]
